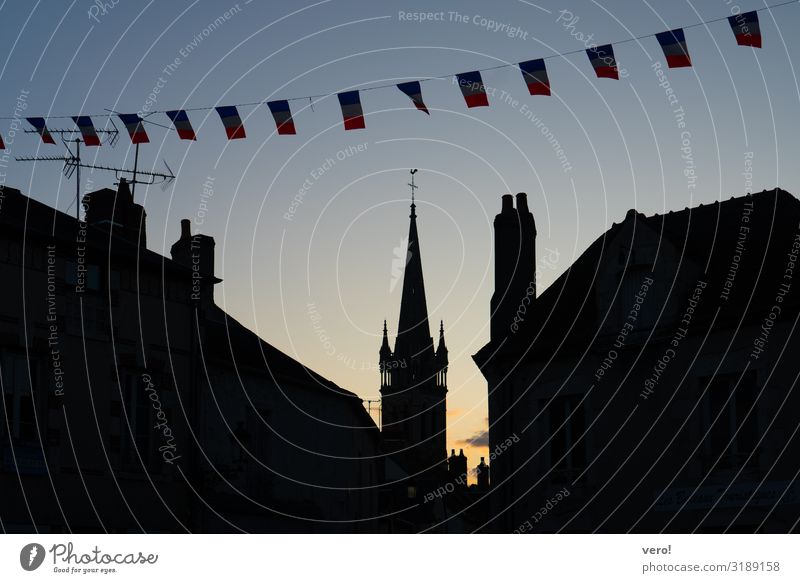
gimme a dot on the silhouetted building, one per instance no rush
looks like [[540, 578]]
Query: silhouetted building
[[457, 468], [414, 377], [132, 402], [482, 473], [652, 386]]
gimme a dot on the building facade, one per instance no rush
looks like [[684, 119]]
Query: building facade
[[652, 386], [132, 402]]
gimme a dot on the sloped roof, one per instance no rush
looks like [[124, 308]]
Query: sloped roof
[[704, 237]]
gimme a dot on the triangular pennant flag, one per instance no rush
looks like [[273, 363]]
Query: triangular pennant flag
[[535, 75], [232, 122], [352, 113], [603, 61], [182, 124], [282, 115], [673, 43], [40, 126], [472, 89], [746, 29], [88, 133], [414, 92], [2, 143], [135, 126]]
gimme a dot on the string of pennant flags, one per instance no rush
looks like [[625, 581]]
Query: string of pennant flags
[[745, 27]]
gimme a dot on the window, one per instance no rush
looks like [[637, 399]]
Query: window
[[730, 417], [567, 424], [18, 406]]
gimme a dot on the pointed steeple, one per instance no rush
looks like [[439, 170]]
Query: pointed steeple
[[413, 331], [386, 351], [442, 348]]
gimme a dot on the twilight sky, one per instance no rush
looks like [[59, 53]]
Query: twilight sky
[[309, 228]]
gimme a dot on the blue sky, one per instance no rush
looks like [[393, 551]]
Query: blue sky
[[312, 223]]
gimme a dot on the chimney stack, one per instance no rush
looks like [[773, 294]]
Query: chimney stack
[[514, 264], [196, 252]]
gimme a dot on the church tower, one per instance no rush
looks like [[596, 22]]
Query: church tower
[[414, 375]]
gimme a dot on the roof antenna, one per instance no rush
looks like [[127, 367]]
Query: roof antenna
[[413, 188]]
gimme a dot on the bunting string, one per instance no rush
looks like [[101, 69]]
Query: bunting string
[[744, 26]]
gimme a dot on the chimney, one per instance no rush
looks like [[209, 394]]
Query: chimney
[[514, 264], [196, 252], [116, 213]]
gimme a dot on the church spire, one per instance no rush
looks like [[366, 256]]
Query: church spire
[[413, 331]]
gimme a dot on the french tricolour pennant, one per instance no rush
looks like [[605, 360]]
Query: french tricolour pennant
[[414, 92], [673, 43], [232, 122], [352, 113], [135, 126], [282, 116], [88, 133], [746, 29], [603, 61], [40, 126], [472, 89], [535, 75], [182, 124]]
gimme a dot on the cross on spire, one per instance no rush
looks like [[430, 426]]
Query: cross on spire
[[413, 188]]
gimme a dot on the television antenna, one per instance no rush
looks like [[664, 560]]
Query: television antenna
[[73, 164]]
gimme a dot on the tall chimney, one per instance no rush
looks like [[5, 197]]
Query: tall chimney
[[514, 263], [197, 253]]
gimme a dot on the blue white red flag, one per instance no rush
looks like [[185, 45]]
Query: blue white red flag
[[746, 29], [603, 61], [232, 122], [88, 133], [414, 92], [535, 75], [673, 43], [182, 124], [135, 126], [40, 126], [472, 89], [352, 113], [282, 116]]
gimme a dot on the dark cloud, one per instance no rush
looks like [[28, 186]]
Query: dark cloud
[[480, 439]]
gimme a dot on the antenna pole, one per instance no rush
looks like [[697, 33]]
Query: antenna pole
[[78, 180], [135, 168]]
